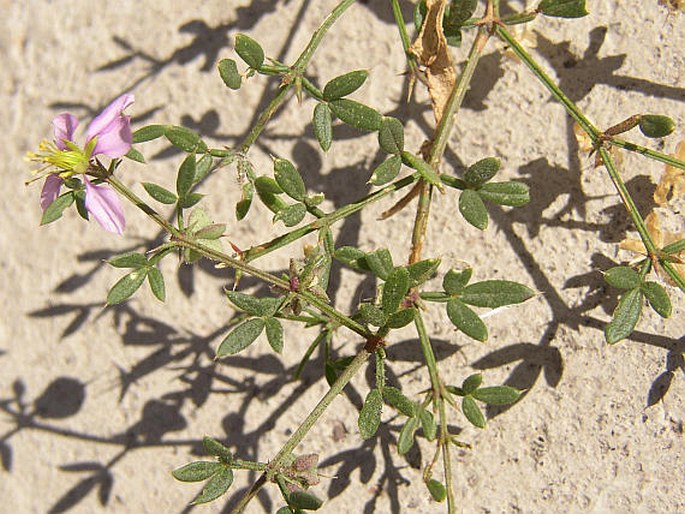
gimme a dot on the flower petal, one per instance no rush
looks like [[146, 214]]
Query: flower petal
[[64, 125], [112, 129], [104, 204], [50, 190]]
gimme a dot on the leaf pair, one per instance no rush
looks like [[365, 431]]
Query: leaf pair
[[477, 188], [250, 52], [247, 332], [130, 283], [627, 313], [489, 293], [470, 391], [219, 474]]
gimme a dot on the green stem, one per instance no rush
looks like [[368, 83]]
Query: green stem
[[571, 107], [648, 152], [124, 191], [315, 41], [404, 35], [428, 355], [327, 220], [440, 139], [298, 68], [248, 464], [446, 458], [628, 201], [276, 465]]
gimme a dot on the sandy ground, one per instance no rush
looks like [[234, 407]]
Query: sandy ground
[[113, 399]]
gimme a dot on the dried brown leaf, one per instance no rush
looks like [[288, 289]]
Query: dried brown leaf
[[672, 184], [432, 52]]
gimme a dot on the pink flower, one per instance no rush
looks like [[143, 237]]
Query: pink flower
[[109, 134]]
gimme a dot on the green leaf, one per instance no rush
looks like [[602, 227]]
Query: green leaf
[[356, 115], [156, 281], [128, 260], [323, 128], [203, 167], [243, 205], [216, 486], [135, 155], [460, 11], [304, 500], [436, 490], [247, 303], [623, 277], [401, 318], [472, 412], [214, 447], [473, 209], [406, 438], [466, 320], [656, 125], [497, 395], [495, 293], [658, 298], [291, 215], [472, 383], [396, 399], [395, 289], [380, 263], [482, 171], [159, 193], [267, 190], [625, 316], [430, 428], [126, 286], [512, 193], [289, 179], [241, 337], [370, 415], [455, 390], [391, 136], [187, 201], [55, 209], [148, 133], [563, 8], [454, 280], [185, 139], [269, 305], [274, 334], [186, 175], [228, 70], [421, 271], [344, 84], [197, 471], [372, 315], [249, 51], [353, 257], [198, 220], [386, 171], [213, 231]]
